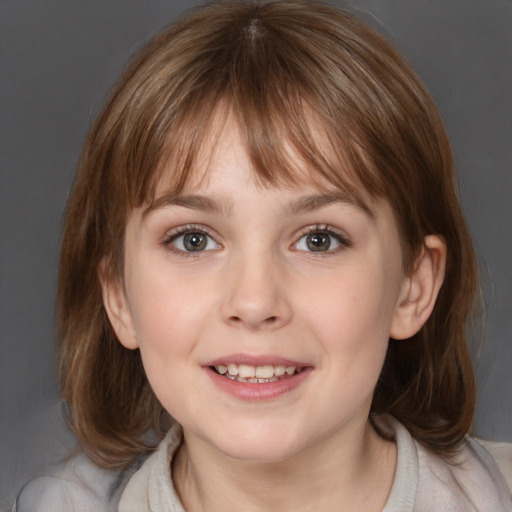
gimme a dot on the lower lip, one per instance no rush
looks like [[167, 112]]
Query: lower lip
[[255, 391]]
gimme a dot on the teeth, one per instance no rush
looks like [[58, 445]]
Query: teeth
[[279, 370], [264, 372], [245, 371], [255, 374]]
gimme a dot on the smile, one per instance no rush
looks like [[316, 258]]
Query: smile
[[255, 374]]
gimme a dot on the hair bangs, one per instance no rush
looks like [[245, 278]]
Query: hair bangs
[[292, 133]]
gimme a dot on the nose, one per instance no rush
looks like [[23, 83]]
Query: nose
[[256, 295]]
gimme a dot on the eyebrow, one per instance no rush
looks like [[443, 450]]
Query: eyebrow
[[318, 201], [305, 204], [194, 202]]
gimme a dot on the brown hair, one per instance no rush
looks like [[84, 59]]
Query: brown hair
[[274, 65]]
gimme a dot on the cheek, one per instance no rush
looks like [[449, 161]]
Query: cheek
[[351, 315], [163, 318], [357, 305], [161, 300], [172, 314]]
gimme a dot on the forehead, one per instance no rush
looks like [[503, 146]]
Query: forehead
[[226, 160]]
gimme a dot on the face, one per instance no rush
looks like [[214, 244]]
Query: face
[[262, 313]]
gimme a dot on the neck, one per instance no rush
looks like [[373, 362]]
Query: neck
[[337, 474]]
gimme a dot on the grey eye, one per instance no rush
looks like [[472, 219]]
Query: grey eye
[[321, 240], [194, 241], [318, 242]]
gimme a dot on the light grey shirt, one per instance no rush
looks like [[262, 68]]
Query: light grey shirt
[[424, 482]]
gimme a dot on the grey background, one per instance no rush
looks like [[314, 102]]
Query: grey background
[[58, 60]]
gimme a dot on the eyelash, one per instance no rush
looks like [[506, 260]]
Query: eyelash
[[324, 229], [182, 231], [343, 240]]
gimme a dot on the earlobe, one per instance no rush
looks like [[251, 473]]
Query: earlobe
[[420, 290], [118, 311]]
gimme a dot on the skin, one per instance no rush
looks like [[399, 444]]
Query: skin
[[257, 289]]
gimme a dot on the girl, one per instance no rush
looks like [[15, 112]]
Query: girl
[[265, 279]]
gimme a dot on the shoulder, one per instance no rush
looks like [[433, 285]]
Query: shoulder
[[502, 454], [472, 478], [51, 493], [76, 486], [470, 481]]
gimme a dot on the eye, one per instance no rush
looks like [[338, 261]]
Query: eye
[[321, 240], [192, 240]]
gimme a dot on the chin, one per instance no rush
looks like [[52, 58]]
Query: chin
[[262, 446]]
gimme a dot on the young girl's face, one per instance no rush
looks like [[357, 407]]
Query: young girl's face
[[296, 287]]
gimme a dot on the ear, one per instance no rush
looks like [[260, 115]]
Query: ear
[[117, 308], [420, 290]]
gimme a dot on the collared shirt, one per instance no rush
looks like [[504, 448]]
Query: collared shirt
[[424, 481]]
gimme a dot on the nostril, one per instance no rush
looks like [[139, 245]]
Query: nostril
[[236, 320]]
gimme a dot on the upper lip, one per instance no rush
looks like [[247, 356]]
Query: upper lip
[[259, 360]]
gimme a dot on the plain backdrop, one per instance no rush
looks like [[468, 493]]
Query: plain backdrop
[[59, 58]]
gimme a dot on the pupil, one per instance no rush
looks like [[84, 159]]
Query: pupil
[[194, 241], [318, 242]]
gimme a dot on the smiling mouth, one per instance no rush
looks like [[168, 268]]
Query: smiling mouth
[[255, 374]]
